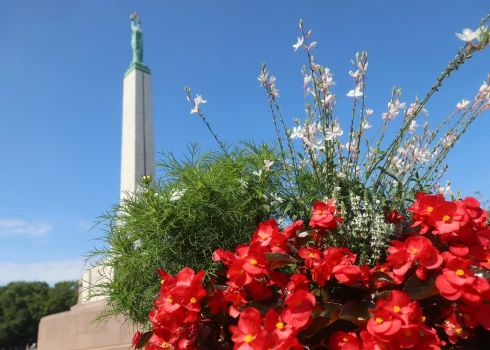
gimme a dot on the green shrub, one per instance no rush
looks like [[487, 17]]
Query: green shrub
[[222, 203]]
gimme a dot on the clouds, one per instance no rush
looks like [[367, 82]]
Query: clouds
[[10, 227], [44, 271]]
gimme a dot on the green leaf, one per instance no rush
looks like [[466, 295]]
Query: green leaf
[[419, 289], [277, 260], [357, 311]]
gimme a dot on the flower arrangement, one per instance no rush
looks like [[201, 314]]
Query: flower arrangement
[[287, 290], [359, 245]]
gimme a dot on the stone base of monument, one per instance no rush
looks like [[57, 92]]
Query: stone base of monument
[[74, 330]]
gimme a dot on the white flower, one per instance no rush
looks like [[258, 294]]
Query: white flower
[[327, 99], [312, 45], [355, 93], [268, 164], [263, 78], [355, 74], [137, 244], [306, 80], [369, 111], [258, 173], [297, 133], [276, 198], [333, 132], [177, 194], [243, 183], [365, 125], [412, 127], [462, 105], [299, 43], [422, 155], [197, 101], [468, 34], [445, 189]]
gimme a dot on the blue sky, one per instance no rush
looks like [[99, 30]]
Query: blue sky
[[60, 95]]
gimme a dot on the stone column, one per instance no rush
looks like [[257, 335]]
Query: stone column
[[137, 151]]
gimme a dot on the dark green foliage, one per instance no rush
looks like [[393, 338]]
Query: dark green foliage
[[149, 231], [23, 304]]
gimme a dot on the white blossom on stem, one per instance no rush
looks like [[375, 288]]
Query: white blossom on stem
[[263, 78], [312, 45], [468, 34], [268, 164], [333, 132], [355, 93], [412, 127], [298, 43], [297, 133], [197, 101], [462, 105], [176, 195], [365, 125]]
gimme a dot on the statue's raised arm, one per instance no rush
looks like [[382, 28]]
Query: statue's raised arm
[[136, 38]]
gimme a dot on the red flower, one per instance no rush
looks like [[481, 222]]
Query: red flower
[[398, 303], [408, 336], [298, 282], [264, 233], [401, 262], [299, 306], [323, 215], [347, 274], [448, 217], [218, 302], [393, 217], [383, 325], [311, 255], [292, 229], [136, 338], [274, 324], [248, 334], [345, 341]]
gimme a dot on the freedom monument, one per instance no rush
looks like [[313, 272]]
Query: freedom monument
[[76, 329]]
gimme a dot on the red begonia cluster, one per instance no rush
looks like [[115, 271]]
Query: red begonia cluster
[[286, 290]]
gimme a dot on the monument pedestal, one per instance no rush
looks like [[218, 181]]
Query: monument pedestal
[[76, 330]]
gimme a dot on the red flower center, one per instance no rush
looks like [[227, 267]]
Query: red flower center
[[459, 272], [193, 300], [415, 251], [279, 325], [379, 320], [264, 236], [446, 218], [253, 262], [430, 209], [396, 308]]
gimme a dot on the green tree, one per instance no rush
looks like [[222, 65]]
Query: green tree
[[23, 304], [62, 297]]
